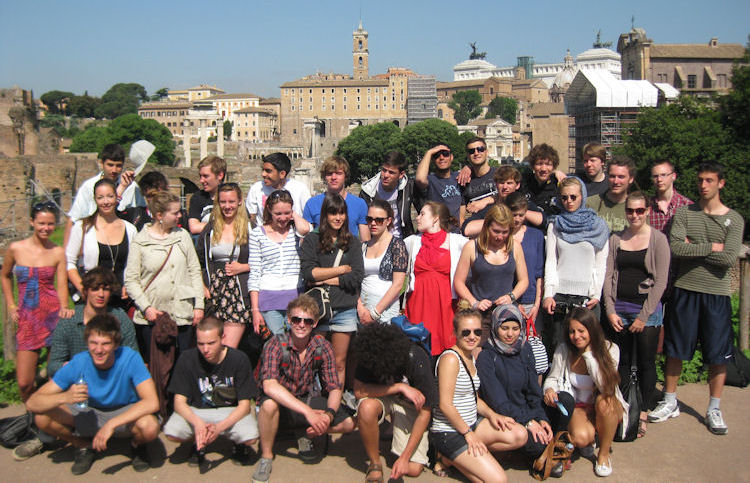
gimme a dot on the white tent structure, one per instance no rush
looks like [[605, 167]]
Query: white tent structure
[[600, 89]]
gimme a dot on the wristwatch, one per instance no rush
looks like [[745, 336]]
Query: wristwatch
[[332, 412], [512, 297]]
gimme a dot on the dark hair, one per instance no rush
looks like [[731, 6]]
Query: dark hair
[[277, 196], [624, 162], [106, 325], [153, 180], [447, 222], [506, 172], [598, 344], [333, 204], [100, 277], [112, 152], [664, 161], [638, 195], [383, 205], [395, 159], [543, 151], [306, 304], [89, 221], [476, 139], [45, 207], [711, 167], [383, 350], [279, 161], [465, 314], [211, 322], [516, 201]]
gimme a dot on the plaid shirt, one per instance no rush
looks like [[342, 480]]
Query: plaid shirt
[[298, 377], [661, 220]]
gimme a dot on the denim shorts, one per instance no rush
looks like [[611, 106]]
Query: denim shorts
[[450, 443], [275, 320], [654, 320], [345, 320]]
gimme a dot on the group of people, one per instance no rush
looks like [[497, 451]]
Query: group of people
[[290, 301]]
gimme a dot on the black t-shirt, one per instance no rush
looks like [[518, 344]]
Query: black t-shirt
[[479, 186], [544, 195], [201, 205], [197, 380], [593, 187], [418, 374]]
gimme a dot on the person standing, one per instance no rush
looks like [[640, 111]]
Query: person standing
[[610, 205], [443, 185], [392, 185], [593, 174], [211, 173], [479, 193], [666, 199], [540, 184]]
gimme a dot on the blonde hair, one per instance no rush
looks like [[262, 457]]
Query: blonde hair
[[570, 181], [239, 228], [159, 203], [501, 215]]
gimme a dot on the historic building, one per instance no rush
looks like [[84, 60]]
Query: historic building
[[497, 133], [255, 124], [172, 114], [225, 104]]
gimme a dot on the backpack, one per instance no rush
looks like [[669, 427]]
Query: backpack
[[418, 333], [738, 369], [16, 429]]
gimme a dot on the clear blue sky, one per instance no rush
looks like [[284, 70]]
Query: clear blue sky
[[255, 46]]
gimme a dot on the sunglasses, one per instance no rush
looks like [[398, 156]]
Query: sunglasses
[[444, 153], [478, 149], [278, 194], [379, 220], [568, 197], [44, 206], [467, 332], [296, 320], [228, 185], [637, 211]]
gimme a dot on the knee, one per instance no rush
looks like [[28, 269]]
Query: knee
[[268, 409], [43, 422], [250, 442], [606, 405], [148, 428], [369, 411], [519, 435]]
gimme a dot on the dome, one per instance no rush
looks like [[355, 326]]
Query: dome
[[566, 75], [598, 54]]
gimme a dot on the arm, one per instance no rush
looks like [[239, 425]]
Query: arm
[[600, 265], [351, 280], [459, 279], [473, 228], [522, 276], [7, 283], [423, 168], [61, 276], [59, 352], [401, 466], [194, 272], [133, 278], [364, 232], [362, 390], [462, 215], [534, 218], [393, 292], [678, 238], [302, 226], [73, 249], [730, 247], [609, 289], [317, 419], [51, 396], [148, 403], [550, 264], [493, 391], [182, 408], [660, 274]]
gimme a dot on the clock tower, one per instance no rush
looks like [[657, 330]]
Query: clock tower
[[360, 53]]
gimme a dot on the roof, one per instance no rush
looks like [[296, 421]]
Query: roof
[[669, 91], [204, 87], [601, 87], [249, 110], [471, 64], [698, 51], [270, 100], [546, 109], [336, 83], [597, 53], [487, 122], [166, 105], [221, 97]]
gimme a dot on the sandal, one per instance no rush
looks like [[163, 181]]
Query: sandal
[[371, 468], [439, 470], [642, 427]]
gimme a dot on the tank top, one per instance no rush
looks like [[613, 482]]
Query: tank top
[[490, 281], [114, 257], [631, 265], [583, 387], [464, 399]]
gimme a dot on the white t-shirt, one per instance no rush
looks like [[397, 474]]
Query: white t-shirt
[[259, 192], [84, 204], [392, 198]]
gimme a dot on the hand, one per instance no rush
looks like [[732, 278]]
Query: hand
[[717, 247], [151, 314], [472, 207], [212, 432], [345, 269], [483, 304], [201, 434], [637, 326], [549, 305], [364, 314], [501, 423], [592, 303], [504, 300], [124, 294], [234, 268], [559, 175], [476, 446], [64, 313], [414, 395], [206, 293], [550, 397], [464, 176], [318, 420], [102, 436], [77, 393], [13, 312], [537, 432], [258, 320], [547, 434], [197, 316], [400, 468], [126, 177], [533, 312], [616, 322]]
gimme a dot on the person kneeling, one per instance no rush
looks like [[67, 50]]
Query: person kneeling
[[290, 363], [212, 386], [104, 392]]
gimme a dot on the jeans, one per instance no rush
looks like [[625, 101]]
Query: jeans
[[275, 320]]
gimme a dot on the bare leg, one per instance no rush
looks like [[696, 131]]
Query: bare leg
[[268, 424], [145, 429], [608, 416], [59, 423], [233, 334], [368, 415], [26, 362], [582, 432], [672, 374], [340, 343], [498, 440], [717, 374], [480, 468]]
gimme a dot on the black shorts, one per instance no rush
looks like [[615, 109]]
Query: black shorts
[[293, 420], [698, 316], [450, 443]]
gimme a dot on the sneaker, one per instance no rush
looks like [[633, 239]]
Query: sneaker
[[141, 459], [197, 457], [241, 454], [306, 449], [263, 471], [27, 449], [715, 422], [82, 461], [603, 470], [663, 411]]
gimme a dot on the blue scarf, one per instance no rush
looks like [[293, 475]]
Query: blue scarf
[[582, 225], [504, 313]]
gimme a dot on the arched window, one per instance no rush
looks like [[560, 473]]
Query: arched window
[[360, 61]]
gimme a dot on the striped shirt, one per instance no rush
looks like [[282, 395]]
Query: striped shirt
[[273, 266], [464, 399]]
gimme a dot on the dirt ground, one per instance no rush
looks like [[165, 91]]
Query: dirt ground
[[681, 449]]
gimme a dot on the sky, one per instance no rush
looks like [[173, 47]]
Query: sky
[[254, 46]]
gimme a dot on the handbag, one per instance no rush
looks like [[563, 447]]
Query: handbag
[[15, 430], [738, 369], [560, 449], [631, 391], [322, 294], [418, 333], [541, 361]]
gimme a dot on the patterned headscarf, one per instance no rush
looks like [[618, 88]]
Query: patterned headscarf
[[504, 313], [582, 225]]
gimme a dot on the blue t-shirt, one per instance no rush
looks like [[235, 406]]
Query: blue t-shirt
[[445, 190], [533, 252], [111, 388], [355, 206]]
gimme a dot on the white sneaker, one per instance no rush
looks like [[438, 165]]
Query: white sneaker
[[663, 411], [715, 422], [603, 470]]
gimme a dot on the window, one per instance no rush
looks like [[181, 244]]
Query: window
[[692, 82], [345, 107], [323, 91], [323, 107], [310, 91], [357, 90], [333, 108], [344, 99], [294, 131], [333, 91], [358, 106], [368, 90], [358, 99], [292, 108], [344, 90]]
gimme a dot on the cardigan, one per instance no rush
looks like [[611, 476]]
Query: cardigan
[[456, 243], [90, 253], [657, 266]]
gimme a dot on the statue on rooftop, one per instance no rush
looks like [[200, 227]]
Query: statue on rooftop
[[474, 54]]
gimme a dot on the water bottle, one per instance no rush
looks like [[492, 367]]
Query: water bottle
[[569, 446], [85, 403]]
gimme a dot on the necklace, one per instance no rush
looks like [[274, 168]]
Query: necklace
[[112, 255]]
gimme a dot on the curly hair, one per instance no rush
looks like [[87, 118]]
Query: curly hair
[[383, 350], [598, 344]]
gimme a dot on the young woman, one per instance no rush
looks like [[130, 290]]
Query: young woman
[[274, 263], [318, 256], [637, 273], [495, 261], [585, 366], [385, 262], [457, 432], [576, 259], [433, 258], [101, 240], [163, 274], [223, 255], [37, 264]]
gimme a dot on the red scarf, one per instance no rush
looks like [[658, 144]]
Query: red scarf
[[431, 243]]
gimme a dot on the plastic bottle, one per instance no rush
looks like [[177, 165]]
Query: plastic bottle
[[85, 403]]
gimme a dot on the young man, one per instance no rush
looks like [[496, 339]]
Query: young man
[[335, 173], [276, 169], [291, 398], [128, 193], [103, 392], [150, 184], [478, 193], [611, 204], [68, 339], [666, 199], [211, 173], [394, 376], [706, 239], [443, 185], [392, 185], [540, 184], [592, 174], [212, 386]]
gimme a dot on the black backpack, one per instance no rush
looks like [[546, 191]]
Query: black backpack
[[17, 429], [738, 369]]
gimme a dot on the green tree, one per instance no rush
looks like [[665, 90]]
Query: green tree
[[160, 94], [84, 106], [466, 106], [505, 107], [121, 99], [90, 140], [417, 138], [227, 129], [735, 106], [365, 147], [56, 101]]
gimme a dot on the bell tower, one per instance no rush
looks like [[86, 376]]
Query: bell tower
[[360, 53]]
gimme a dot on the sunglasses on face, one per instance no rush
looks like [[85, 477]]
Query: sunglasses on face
[[467, 332], [637, 211], [379, 220], [444, 153], [568, 197], [296, 320], [478, 149]]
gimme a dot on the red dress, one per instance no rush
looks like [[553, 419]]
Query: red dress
[[431, 302], [38, 306]]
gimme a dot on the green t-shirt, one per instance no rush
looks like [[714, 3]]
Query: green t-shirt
[[613, 213]]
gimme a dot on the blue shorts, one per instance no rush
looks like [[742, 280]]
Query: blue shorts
[[699, 316], [654, 320], [344, 320], [450, 443]]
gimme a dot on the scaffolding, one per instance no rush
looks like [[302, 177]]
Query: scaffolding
[[421, 102], [602, 125]]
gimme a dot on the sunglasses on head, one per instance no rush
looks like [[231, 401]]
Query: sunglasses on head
[[379, 220], [637, 211], [478, 149], [467, 332], [296, 320], [228, 185], [568, 197], [443, 152], [44, 205]]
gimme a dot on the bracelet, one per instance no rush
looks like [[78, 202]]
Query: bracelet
[[474, 305], [466, 432], [527, 426], [512, 297], [374, 314], [331, 412]]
